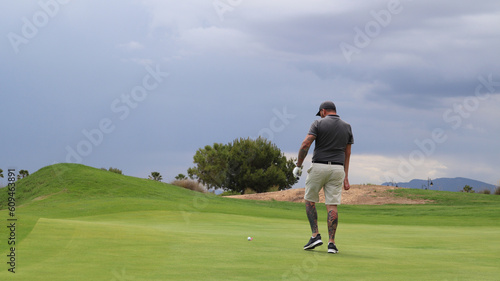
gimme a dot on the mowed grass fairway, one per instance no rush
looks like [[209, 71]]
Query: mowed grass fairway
[[80, 223]]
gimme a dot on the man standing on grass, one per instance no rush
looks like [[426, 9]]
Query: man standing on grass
[[329, 170]]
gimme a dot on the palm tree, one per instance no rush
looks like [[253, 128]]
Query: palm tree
[[22, 174], [180, 177], [155, 176]]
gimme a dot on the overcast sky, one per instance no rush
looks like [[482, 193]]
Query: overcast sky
[[141, 85]]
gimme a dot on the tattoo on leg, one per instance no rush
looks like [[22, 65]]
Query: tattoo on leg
[[312, 215], [333, 220]]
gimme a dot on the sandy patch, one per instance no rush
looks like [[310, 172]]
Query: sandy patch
[[357, 195]]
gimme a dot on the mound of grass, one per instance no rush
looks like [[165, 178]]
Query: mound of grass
[[74, 182], [64, 191], [62, 185]]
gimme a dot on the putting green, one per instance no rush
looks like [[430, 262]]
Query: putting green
[[170, 245]]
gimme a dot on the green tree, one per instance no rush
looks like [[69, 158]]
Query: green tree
[[180, 177], [1, 173], [155, 176], [468, 189], [257, 165], [211, 166]]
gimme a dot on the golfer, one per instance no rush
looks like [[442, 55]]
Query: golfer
[[329, 170]]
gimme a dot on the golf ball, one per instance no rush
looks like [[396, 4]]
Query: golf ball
[[249, 238]]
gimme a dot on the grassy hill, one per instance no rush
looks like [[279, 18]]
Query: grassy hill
[[80, 223]]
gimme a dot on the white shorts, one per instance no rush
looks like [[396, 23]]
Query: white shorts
[[331, 177]]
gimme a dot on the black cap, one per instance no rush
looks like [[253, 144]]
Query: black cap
[[326, 105]]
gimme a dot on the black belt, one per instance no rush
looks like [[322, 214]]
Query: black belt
[[328, 163]]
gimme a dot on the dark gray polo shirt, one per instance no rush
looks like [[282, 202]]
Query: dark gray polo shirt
[[332, 136]]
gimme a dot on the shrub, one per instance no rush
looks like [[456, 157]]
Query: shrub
[[468, 189], [229, 193], [115, 170], [274, 188], [249, 191], [486, 191], [497, 190], [190, 184]]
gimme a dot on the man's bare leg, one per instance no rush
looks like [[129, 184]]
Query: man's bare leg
[[333, 220], [312, 215]]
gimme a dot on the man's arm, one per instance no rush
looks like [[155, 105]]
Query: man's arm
[[346, 166], [304, 148]]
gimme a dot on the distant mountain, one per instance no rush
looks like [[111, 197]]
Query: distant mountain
[[446, 184]]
